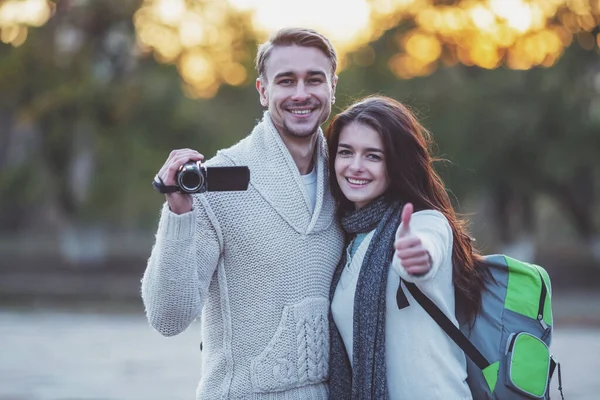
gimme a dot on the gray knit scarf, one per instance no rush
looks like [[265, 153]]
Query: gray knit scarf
[[365, 379]]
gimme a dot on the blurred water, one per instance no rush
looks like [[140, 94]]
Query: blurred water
[[59, 355]]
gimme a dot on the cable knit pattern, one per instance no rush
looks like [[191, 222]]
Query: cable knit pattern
[[255, 266]]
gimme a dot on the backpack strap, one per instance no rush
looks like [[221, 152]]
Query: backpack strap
[[444, 322], [553, 365]]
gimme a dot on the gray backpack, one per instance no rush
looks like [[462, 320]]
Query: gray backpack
[[507, 345]]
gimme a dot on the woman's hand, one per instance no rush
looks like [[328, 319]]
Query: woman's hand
[[413, 256]]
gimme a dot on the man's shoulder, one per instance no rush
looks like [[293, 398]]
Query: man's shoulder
[[233, 155], [242, 153]]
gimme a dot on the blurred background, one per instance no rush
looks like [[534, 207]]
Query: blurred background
[[94, 94]]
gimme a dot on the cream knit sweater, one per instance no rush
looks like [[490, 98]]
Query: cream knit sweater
[[256, 267]]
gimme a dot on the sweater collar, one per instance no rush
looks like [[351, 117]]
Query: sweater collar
[[274, 174]]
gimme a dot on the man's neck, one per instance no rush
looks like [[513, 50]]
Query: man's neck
[[302, 151]]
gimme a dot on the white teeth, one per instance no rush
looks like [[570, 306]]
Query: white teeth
[[301, 111], [357, 181]]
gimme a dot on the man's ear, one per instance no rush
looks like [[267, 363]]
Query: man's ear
[[333, 86], [262, 92]]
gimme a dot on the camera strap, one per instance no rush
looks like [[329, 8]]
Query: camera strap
[[160, 186]]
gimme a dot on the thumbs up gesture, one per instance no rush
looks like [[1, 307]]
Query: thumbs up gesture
[[409, 249]]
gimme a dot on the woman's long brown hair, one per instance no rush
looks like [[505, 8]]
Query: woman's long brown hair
[[412, 179]]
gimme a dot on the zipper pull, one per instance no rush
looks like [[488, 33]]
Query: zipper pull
[[540, 319]]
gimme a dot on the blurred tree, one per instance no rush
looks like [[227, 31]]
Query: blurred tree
[[92, 104], [511, 135], [68, 83], [208, 40], [87, 120]]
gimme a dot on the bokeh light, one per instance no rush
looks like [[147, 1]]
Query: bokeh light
[[17, 15], [208, 40], [520, 34]]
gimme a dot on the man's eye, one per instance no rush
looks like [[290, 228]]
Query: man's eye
[[285, 82], [315, 81]]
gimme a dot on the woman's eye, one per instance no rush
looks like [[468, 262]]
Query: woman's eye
[[343, 152], [374, 157]]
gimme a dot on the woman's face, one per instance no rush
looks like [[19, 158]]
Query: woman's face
[[360, 166]]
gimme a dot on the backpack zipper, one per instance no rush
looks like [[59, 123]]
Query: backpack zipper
[[511, 342], [540, 316]]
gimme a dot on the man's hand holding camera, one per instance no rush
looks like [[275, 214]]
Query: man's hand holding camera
[[183, 174], [179, 203]]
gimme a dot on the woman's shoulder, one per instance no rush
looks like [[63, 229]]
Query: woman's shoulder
[[430, 220], [429, 215]]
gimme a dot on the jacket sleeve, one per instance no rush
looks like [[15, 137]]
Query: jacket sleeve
[[436, 235], [180, 268]]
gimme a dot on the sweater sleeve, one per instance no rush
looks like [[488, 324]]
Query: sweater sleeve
[[180, 268], [435, 233]]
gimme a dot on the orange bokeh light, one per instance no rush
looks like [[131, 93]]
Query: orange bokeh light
[[207, 39]]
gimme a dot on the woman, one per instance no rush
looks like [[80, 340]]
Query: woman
[[401, 225]]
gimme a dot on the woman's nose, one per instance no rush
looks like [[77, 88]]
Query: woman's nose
[[356, 165]]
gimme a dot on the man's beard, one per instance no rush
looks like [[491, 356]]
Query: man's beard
[[300, 133], [302, 130]]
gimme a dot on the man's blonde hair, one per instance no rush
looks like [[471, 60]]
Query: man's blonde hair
[[303, 37]]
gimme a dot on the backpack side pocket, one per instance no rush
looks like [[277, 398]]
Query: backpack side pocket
[[527, 365]]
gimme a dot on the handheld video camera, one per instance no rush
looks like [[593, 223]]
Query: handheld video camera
[[193, 177]]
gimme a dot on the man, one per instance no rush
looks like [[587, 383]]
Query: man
[[256, 265]]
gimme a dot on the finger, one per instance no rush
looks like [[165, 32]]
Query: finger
[[411, 252], [190, 154], [171, 169], [172, 155], [407, 212], [178, 152], [418, 270], [422, 261], [184, 158], [175, 165], [407, 242], [193, 154], [175, 154]]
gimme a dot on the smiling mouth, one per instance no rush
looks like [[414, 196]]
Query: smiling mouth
[[358, 182], [301, 112]]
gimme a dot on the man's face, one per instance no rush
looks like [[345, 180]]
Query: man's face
[[298, 89]]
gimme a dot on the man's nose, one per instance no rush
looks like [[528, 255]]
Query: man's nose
[[300, 94]]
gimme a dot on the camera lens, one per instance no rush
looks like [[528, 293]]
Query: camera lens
[[190, 180], [190, 177]]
